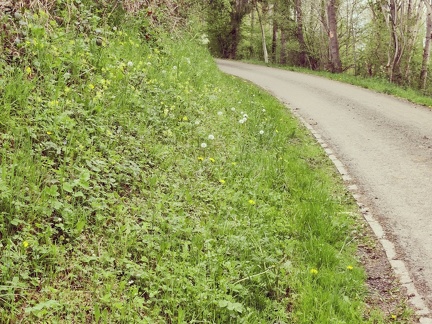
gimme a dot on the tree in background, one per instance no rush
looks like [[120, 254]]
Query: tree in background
[[263, 35], [426, 48], [224, 19], [302, 57], [335, 61]]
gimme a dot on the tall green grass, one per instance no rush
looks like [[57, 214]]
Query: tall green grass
[[138, 184]]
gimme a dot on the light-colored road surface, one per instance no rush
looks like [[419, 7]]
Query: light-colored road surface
[[386, 145]]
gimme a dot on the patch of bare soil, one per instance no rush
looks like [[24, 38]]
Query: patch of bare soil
[[385, 291]]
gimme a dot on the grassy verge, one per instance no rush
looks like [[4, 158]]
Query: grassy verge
[[139, 184], [377, 84]]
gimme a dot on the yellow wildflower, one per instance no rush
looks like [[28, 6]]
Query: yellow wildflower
[[350, 267], [49, 133], [25, 244], [313, 271], [28, 70], [212, 160], [200, 158], [91, 86], [185, 118], [252, 202], [222, 181]]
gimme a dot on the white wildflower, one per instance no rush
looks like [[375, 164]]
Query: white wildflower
[[130, 64], [203, 145], [211, 137], [220, 113], [204, 39], [261, 132]]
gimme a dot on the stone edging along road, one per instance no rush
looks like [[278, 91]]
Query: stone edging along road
[[386, 144]]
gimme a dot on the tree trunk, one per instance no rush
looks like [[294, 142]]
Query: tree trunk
[[300, 37], [394, 68], [275, 30], [264, 45], [336, 64], [234, 39], [324, 48], [283, 51], [426, 49], [413, 20], [251, 47]]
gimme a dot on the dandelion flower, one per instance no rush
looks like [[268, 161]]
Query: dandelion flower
[[91, 86], [185, 118], [222, 181], [49, 133], [232, 109], [130, 64], [393, 316], [211, 137], [28, 70], [220, 113], [212, 160], [350, 267], [200, 158], [313, 271], [251, 201], [245, 116], [203, 145], [242, 121], [263, 110], [25, 244], [261, 132]]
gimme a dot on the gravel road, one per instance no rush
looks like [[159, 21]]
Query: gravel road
[[384, 142]]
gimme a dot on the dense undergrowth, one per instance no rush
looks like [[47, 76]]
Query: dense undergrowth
[[139, 184]]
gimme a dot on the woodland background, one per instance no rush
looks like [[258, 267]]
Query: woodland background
[[383, 38]]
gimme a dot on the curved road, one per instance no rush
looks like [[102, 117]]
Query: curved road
[[384, 142]]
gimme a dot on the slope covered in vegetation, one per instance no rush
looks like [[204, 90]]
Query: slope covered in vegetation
[[139, 184]]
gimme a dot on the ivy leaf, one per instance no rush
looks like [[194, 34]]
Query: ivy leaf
[[68, 187]]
